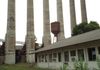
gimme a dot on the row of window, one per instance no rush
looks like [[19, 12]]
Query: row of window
[[51, 58], [73, 54]]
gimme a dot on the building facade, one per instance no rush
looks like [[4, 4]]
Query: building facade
[[85, 46]]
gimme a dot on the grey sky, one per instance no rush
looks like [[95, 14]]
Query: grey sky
[[92, 13]]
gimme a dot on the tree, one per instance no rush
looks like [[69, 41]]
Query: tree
[[92, 26], [85, 27]]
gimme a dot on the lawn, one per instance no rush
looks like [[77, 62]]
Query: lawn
[[20, 67]]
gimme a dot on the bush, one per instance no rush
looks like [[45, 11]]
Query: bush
[[92, 26], [80, 65], [85, 27], [65, 67]]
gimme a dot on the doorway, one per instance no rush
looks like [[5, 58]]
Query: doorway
[[18, 56]]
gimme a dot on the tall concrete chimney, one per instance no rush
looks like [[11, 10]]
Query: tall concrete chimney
[[30, 37], [46, 24], [60, 19], [10, 35], [83, 11], [72, 14]]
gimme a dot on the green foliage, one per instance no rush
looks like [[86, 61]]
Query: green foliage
[[80, 65], [92, 26], [21, 67], [85, 27], [2, 68], [64, 67]]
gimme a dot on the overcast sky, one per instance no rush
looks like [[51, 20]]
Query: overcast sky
[[93, 11]]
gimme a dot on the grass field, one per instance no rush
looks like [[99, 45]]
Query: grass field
[[20, 67]]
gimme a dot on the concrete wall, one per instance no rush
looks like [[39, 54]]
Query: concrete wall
[[1, 59], [51, 65], [58, 65]]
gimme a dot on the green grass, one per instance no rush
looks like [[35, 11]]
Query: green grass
[[20, 67]]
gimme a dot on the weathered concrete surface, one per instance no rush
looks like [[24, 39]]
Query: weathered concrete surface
[[60, 19], [10, 35], [31, 57], [83, 11], [72, 14], [10, 58], [2, 59], [46, 24], [30, 37]]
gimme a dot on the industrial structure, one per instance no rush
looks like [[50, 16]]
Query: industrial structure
[[63, 51]]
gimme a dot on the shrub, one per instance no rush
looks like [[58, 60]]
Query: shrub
[[80, 65], [85, 27], [65, 67]]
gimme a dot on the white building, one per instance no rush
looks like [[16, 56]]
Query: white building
[[86, 46]]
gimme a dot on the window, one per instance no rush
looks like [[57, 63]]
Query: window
[[66, 56], [80, 54], [91, 54], [42, 59], [39, 58], [73, 55], [46, 57], [99, 50], [54, 57], [50, 57], [59, 57]]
